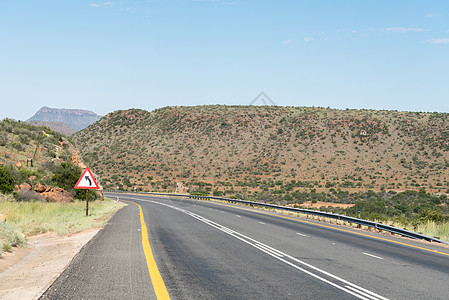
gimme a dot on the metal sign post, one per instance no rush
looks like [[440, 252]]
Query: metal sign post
[[87, 203]]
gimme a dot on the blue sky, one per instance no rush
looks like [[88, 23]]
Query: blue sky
[[110, 55]]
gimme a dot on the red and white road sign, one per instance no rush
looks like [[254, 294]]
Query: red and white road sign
[[87, 181]]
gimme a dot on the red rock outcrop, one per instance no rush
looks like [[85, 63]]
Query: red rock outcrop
[[57, 195], [25, 187], [40, 188]]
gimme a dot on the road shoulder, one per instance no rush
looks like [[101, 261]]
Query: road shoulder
[[49, 254]]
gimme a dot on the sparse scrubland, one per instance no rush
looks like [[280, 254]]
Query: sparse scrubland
[[253, 150], [393, 165]]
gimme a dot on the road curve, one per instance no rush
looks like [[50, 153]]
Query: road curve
[[208, 250]]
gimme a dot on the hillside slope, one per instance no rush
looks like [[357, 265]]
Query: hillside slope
[[257, 149], [21, 141], [32, 154], [55, 126]]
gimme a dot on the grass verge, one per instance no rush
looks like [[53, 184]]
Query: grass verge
[[10, 237], [31, 218], [429, 228]]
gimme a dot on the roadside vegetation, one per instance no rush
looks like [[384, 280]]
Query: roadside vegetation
[[27, 211], [25, 219]]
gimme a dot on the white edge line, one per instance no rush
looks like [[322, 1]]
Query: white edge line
[[360, 292], [378, 257]]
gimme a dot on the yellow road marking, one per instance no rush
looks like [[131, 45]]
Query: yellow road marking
[[331, 227], [156, 278]]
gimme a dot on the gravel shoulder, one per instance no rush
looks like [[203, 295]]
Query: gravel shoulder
[[27, 272]]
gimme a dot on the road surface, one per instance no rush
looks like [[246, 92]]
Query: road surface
[[208, 250]]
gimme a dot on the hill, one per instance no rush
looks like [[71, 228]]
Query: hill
[[76, 119], [38, 163], [19, 141], [252, 150], [55, 126]]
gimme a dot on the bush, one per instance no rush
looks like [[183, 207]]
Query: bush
[[199, 193], [27, 196], [18, 146], [66, 176], [3, 139], [6, 181], [217, 193], [24, 139], [7, 125], [25, 174], [66, 156], [81, 195]]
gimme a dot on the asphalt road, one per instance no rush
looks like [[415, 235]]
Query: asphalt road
[[207, 250], [110, 266]]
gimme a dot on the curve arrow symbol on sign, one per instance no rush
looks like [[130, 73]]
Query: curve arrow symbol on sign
[[88, 178]]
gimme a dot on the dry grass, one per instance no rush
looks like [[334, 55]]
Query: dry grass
[[31, 218], [430, 228]]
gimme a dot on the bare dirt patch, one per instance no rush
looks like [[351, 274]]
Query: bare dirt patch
[[27, 273], [9, 259], [321, 203]]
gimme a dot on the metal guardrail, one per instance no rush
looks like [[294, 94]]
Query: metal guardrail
[[380, 226]]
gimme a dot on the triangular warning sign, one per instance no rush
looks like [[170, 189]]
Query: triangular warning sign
[[87, 181]]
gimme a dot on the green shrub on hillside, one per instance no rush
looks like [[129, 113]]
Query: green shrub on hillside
[[18, 146], [67, 175], [6, 181], [3, 139]]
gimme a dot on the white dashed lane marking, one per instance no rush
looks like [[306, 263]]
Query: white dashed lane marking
[[378, 257]]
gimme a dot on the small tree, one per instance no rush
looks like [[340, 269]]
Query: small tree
[[67, 175], [6, 181]]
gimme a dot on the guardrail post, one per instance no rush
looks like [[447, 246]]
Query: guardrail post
[[359, 225]]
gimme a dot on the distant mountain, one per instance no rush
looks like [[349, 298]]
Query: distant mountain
[[55, 126], [76, 119]]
